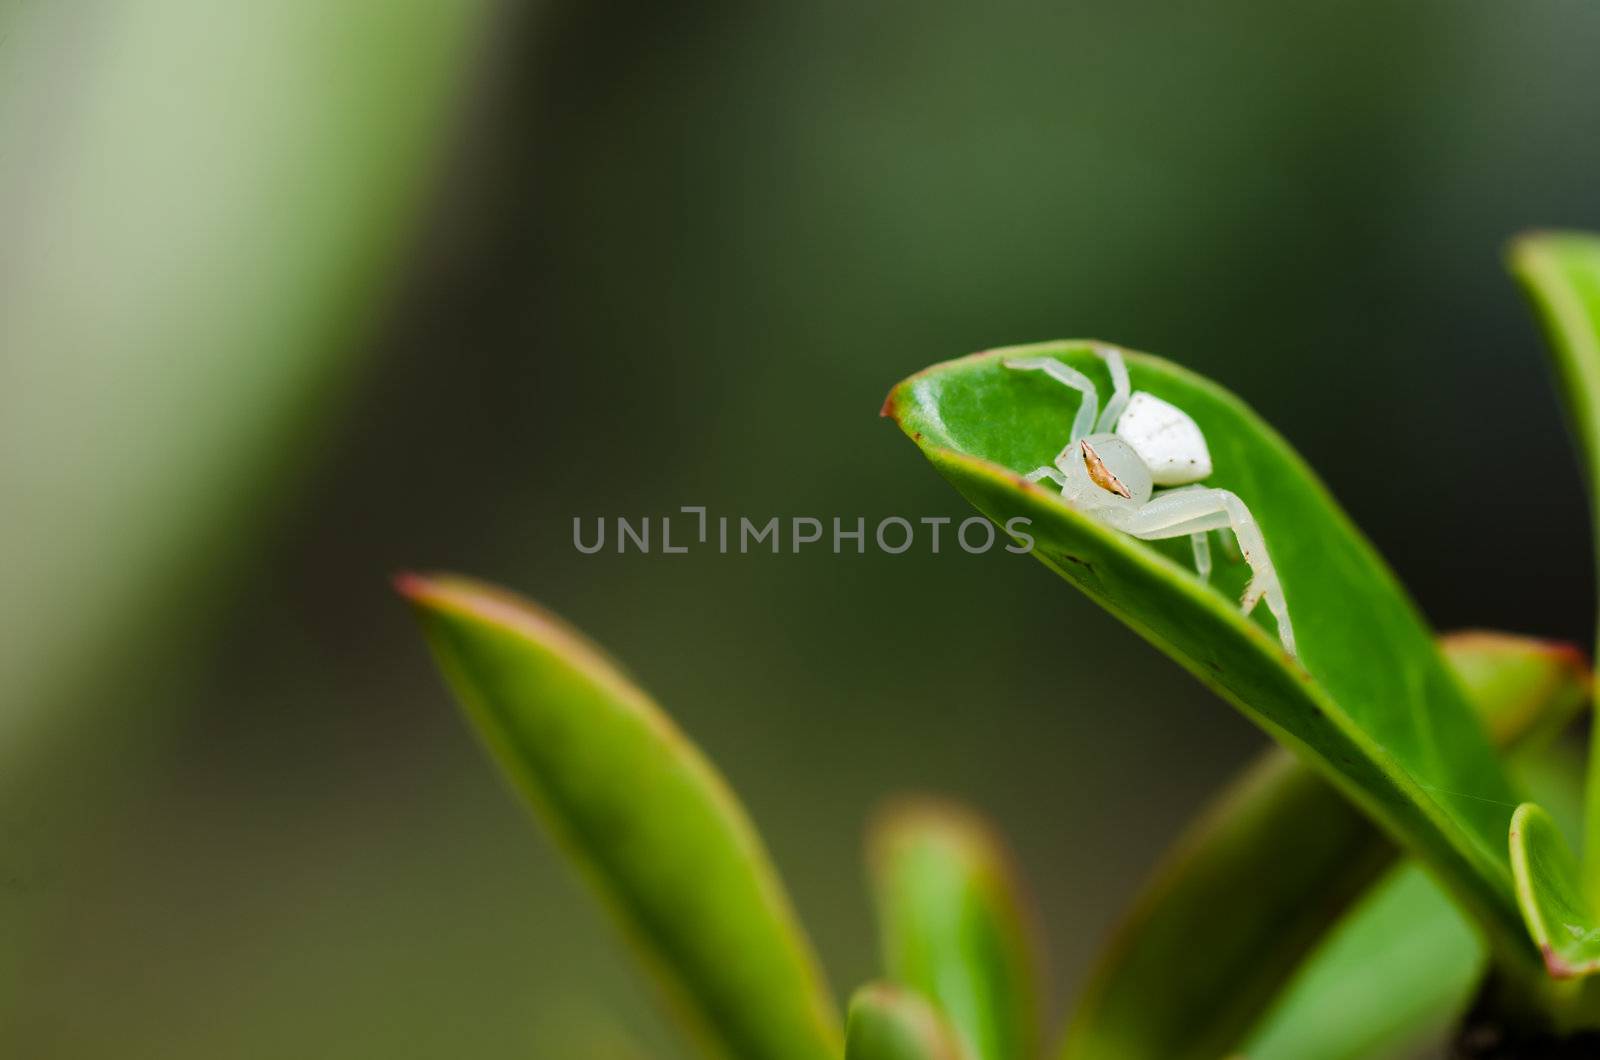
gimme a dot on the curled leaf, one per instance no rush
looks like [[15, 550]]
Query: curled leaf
[[1368, 703], [1562, 922]]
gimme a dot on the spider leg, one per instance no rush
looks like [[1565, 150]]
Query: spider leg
[[1039, 474], [1120, 389], [1194, 511], [1083, 422], [1202, 554], [1199, 541]]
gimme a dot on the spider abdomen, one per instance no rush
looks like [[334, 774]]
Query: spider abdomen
[[1166, 439]]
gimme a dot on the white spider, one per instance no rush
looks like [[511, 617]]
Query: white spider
[[1109, 468]]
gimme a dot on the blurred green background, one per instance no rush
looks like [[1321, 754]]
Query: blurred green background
[[297, 295]]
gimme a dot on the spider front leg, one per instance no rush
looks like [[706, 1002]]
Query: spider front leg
[[1083, 422], [1194, 511], [1054, 474]]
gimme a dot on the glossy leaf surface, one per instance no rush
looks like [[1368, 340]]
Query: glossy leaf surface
[[636, 805], [1369, 702], [954, 928]]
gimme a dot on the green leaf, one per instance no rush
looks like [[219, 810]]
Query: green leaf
[[1525, 689], [891, 1023], [641, 811], [1270, 865], [1562, 922], [199, 224], [1369, 702], [1560, 271], [1403, 966], [954, 925], [1240, 901], [202, 206], [1393, 975]]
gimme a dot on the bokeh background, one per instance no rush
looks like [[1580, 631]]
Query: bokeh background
[[293, 296]]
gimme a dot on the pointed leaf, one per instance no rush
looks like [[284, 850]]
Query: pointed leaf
[[1270, 865], [891, 1023], [642, 812], [954, 925], [1561, 273], [1368, 702]]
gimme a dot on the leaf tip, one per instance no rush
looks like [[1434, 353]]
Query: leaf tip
[[430, 591], [1575, 661], [1528, 246], [1524, 241], [908, 822], [890, 409], [1555, 965], [916, 816], [1530, 241], [411, 585], [888, 1020], [1565, 654]]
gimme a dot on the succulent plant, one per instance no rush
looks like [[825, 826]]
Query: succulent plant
[[1383, 875]]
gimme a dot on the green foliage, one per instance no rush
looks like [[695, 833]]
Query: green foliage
[[1560, 899], [1369, 702], [1526, 690], [1560, 271], [1560, 918], [201, 205], [1277, 924], [1404, 965], [954, 927], [888, 1022], [636, 805], [667, 846], [1254, 888], [1394, 973]]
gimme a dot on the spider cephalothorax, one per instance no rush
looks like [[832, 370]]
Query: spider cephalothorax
[[1114, 459]]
